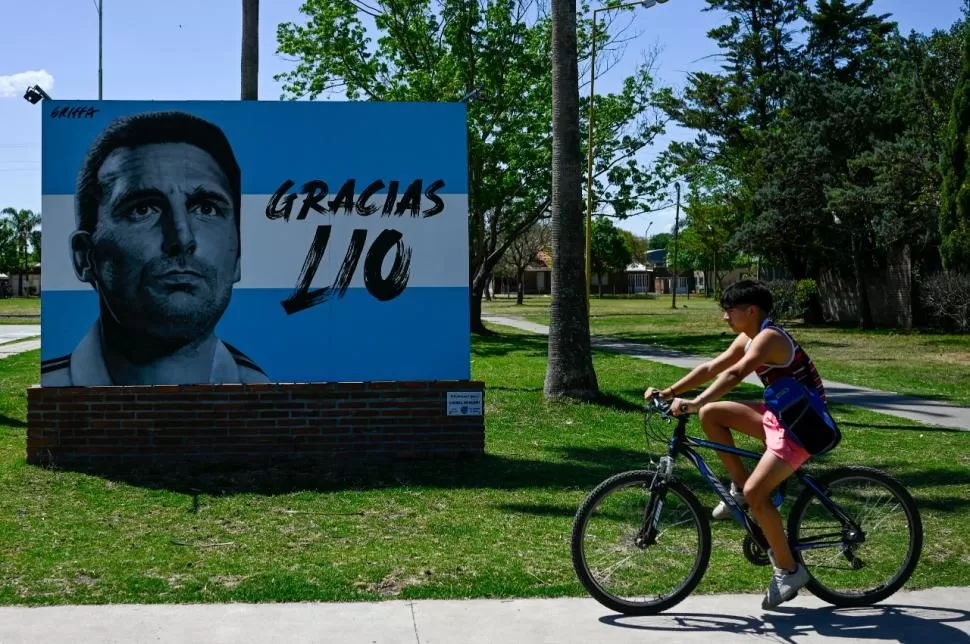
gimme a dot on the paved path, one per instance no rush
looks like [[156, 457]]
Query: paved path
[[930, 616], [927, 411], [11, 332], [14, 348]]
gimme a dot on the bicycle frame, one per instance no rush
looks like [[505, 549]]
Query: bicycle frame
[[682, 444]]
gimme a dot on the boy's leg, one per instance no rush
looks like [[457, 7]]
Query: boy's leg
[[770, 472], [788, 577], [717, 420]]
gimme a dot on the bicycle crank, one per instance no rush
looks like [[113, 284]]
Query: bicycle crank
[[754, 553]]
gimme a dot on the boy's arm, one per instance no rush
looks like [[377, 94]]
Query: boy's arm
[[765, 345], [704, 372]]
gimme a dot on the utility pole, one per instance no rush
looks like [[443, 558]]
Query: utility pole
[[100, 32], [676, 228]]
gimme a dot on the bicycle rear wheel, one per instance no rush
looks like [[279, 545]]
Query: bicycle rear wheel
[[849, 569], [613, 563]]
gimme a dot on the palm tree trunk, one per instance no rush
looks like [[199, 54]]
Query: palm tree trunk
[[23, 265], [570, 371], [249, 87]]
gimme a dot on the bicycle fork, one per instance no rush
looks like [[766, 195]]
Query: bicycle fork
[[647, 535]]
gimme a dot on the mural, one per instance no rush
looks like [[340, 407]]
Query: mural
[[238, 242]]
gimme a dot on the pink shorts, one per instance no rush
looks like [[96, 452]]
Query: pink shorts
[[778, 442]]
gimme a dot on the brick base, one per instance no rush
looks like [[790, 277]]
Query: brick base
[[341, 423]]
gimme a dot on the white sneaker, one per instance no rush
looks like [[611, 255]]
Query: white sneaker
[[784, 586], [722, 511]]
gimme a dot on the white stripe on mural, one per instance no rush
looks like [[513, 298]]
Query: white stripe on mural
[[275, 251]]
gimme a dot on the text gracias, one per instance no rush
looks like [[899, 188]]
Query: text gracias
[[314, 192]]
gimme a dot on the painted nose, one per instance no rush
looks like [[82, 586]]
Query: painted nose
[[179, 238]]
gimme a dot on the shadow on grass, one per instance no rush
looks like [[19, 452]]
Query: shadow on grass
[[11, 422], [889, 622], [559, 471], [618, 403], [700, 344], [502, 344], [919, 481], [921, 428]]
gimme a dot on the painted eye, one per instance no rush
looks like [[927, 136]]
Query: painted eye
[[207, 209], [143, 211]]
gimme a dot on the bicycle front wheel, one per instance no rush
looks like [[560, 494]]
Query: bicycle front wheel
[[612, 560], [849, 568]]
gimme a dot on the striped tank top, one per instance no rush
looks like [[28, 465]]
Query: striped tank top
[[800, 367]]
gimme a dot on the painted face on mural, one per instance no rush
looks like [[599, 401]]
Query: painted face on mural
[[165, 249]]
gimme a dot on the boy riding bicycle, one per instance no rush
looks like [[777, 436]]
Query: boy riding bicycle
[[768, 350]]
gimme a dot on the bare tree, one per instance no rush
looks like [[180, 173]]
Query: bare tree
[[570, 371], [523, 250]]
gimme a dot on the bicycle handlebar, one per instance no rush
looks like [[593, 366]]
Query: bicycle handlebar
[[664, 407]]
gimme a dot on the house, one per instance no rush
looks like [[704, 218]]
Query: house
[[663, 276], [635, 279], [639, 278], [537, 278], [10, 285]]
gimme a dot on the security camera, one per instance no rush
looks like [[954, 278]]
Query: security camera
[[35, 94]]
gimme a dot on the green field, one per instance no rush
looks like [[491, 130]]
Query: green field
[[930, 365], [20, 310], [494, 527]]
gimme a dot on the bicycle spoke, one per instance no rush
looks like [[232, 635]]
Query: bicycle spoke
[[853, 571], [623, 575]]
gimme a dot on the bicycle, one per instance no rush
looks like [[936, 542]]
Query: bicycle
[[648, 510]]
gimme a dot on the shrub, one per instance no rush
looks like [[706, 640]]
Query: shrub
[[796, 299], [946, 301], [786, 302]]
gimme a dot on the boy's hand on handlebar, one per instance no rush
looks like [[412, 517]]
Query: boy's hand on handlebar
[[662, 394], [681, 406]]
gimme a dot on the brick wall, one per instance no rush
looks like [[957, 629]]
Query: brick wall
[[343, 423], [890, 292]]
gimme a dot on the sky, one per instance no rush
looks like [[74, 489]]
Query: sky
[[190, 50]]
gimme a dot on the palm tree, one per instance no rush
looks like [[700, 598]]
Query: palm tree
[[249, 89], [23, 222], [570, 371]]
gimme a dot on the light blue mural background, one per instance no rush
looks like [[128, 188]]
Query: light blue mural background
[[422, 334]]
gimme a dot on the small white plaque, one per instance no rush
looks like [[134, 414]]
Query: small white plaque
[[464, 403]]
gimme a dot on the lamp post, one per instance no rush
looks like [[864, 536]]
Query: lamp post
[[673, 302], [98, 5], [646, 4]]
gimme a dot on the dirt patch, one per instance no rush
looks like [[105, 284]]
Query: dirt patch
[[954, 357], [228, 581], [393, 583]]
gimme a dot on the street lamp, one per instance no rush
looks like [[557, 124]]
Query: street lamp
[[646, 4], [35, 94]]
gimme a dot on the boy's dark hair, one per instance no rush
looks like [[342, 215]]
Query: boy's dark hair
[[144, 129], [748, 292]]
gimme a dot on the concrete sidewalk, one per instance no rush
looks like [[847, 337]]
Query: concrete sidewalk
[[923, 410], [928, 616], [11, 332]]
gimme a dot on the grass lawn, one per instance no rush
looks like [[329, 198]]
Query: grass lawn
[[931, 365], [494, 527], [20, 310]]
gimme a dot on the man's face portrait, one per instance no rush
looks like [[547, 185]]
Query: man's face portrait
[[164, 253]]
